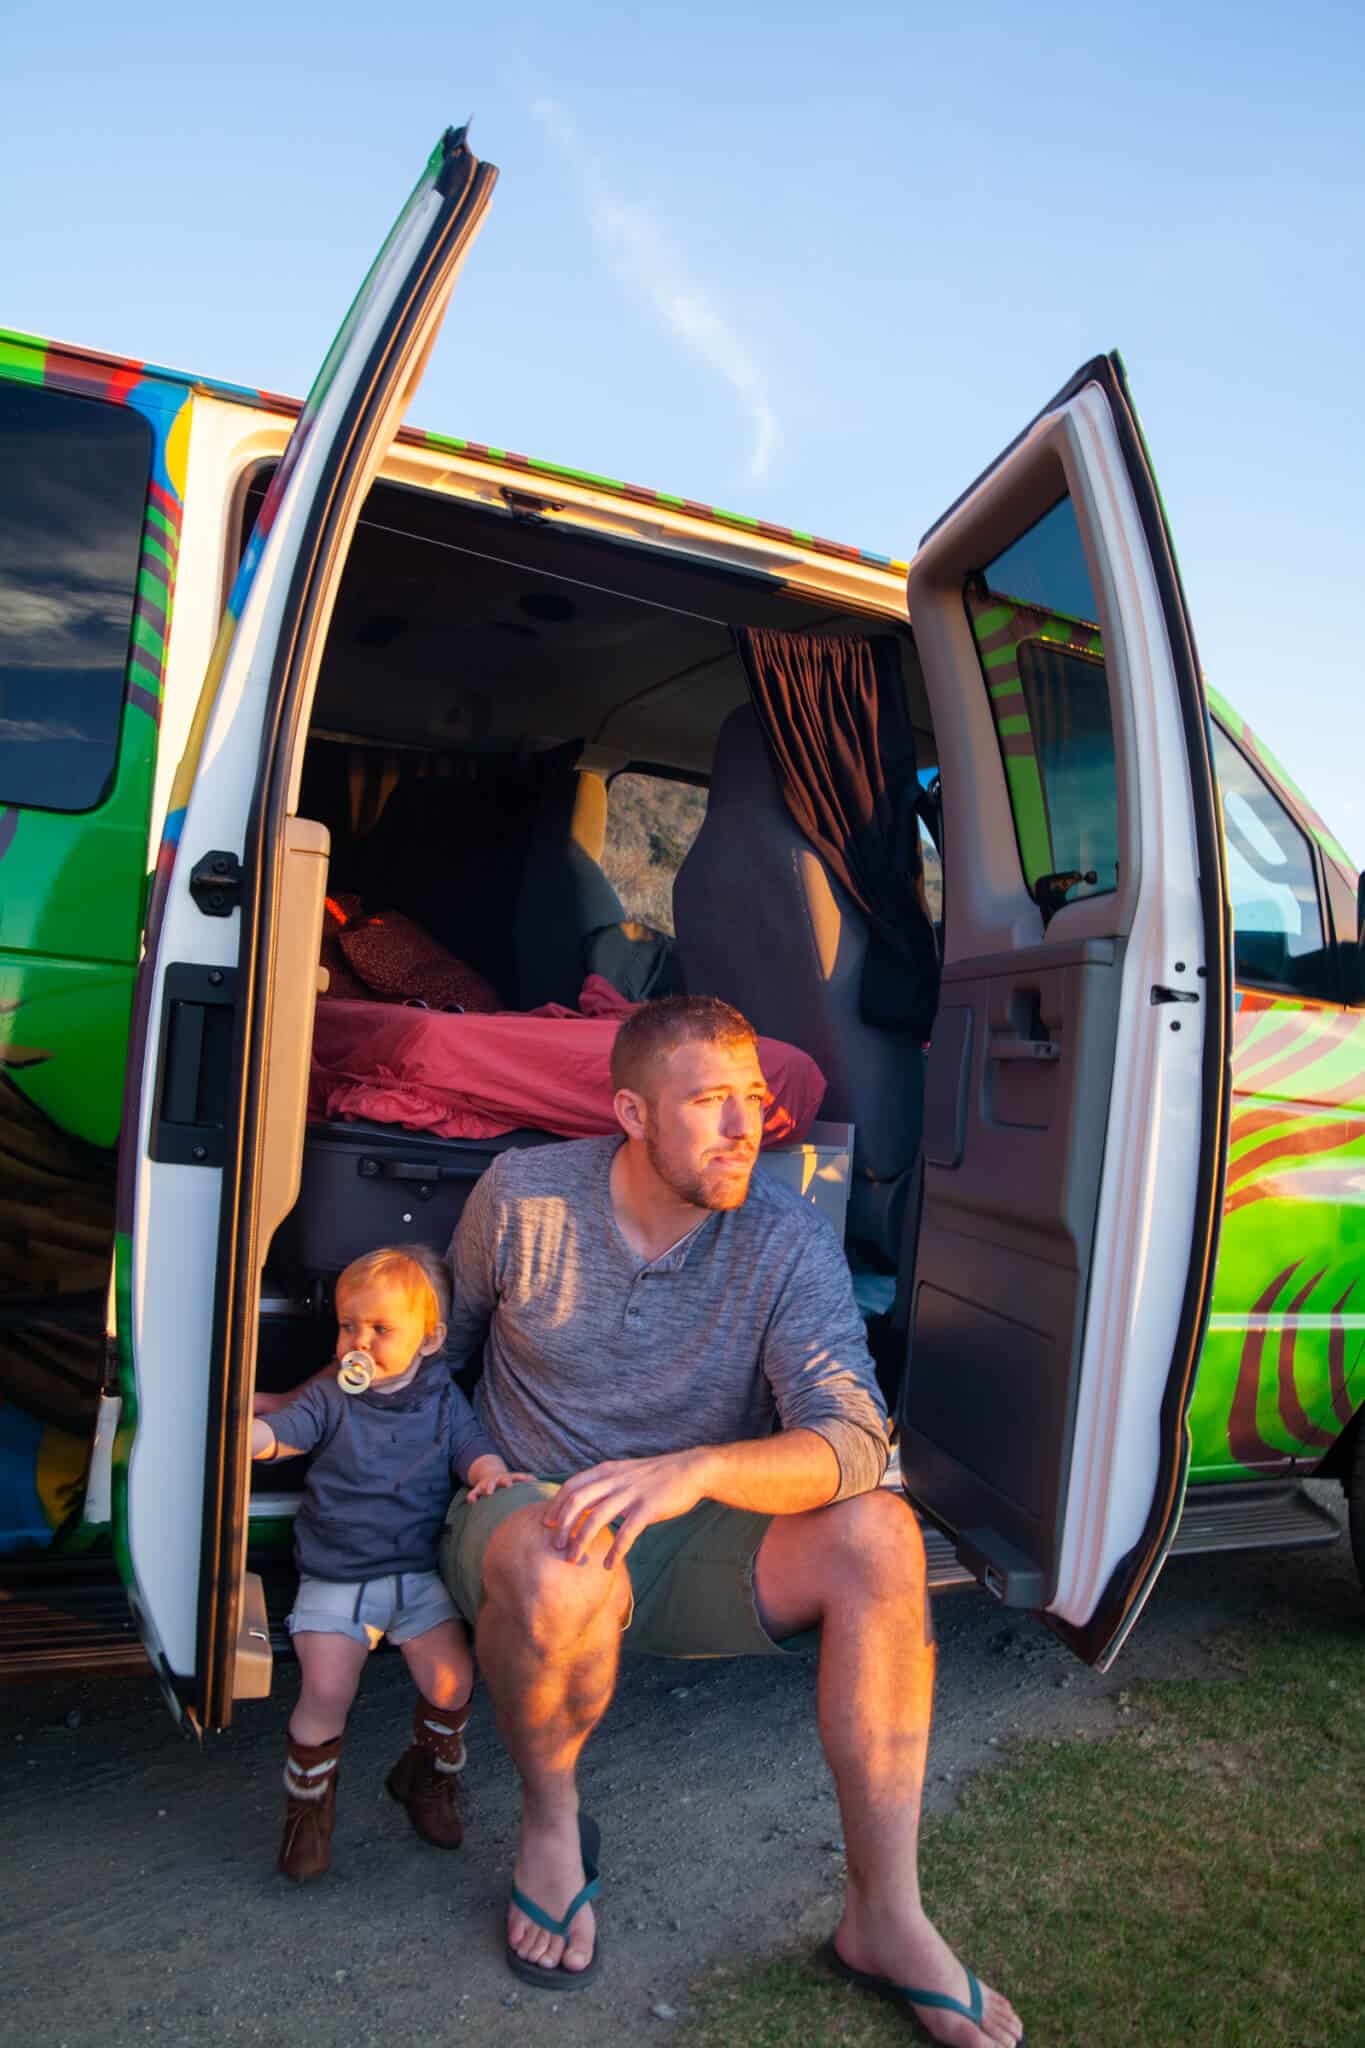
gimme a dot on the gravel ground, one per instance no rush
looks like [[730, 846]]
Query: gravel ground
[[140, 1901]]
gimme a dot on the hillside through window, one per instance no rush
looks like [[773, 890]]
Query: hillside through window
[[651, 823]]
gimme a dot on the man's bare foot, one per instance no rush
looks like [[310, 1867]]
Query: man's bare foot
[[549, 1869], [907, 1948]]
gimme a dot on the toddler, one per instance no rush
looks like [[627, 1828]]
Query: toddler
[[388, 1430]]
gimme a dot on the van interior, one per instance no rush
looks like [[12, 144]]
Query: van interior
[[535, 744]]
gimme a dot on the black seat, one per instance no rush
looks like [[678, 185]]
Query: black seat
[[502, 866], [762, 923]]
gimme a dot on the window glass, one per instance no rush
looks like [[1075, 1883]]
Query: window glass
[[931, 806], [73, 477], [651, 823], [1035, 621], [1276, 920], [933, 874]]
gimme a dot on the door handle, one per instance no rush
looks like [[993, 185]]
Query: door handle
[[370, 1168], [1040, 1050], [198, 1007]]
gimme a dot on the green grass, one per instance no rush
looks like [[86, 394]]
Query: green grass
[[1199, 1877]]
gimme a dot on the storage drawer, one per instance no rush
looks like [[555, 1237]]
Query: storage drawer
[[366, 1185]]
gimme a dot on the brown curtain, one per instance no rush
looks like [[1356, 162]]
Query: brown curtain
[[837, 726]]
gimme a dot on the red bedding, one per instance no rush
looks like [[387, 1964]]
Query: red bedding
[[467, 1076]]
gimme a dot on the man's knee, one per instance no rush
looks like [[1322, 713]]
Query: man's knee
[[873, 1546], [527, 1578]]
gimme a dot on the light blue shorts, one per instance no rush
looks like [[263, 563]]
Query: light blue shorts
[[400, 1606]]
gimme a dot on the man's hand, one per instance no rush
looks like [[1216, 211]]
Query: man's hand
[[637, 1491]]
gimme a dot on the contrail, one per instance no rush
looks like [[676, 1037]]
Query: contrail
[[645, 261]]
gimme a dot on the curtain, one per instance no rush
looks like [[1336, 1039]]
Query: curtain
[[837, 727]]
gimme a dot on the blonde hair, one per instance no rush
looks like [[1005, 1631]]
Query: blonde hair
[[418, 1270]]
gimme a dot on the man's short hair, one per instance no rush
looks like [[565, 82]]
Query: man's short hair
[[645, 1040], [416, 1269]]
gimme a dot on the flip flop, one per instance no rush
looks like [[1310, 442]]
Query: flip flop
[[907, 1996], [558, 1978]]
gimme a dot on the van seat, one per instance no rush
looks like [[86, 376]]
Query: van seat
[[502, 865], [762, 923]]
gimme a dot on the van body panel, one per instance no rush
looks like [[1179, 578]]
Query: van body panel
[[71, 902], [71, 881], [1283, 1369]]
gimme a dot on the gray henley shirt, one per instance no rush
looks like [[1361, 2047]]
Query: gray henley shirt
[[591, 1353]]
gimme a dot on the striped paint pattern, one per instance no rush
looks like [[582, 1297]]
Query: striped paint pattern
[[105, 376]]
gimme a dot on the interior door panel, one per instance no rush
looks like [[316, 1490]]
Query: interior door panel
[[1004, 1248]]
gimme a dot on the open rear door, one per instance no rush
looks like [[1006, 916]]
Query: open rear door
[[214, 1127], [1077, 1084]]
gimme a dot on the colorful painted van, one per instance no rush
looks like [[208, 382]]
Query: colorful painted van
[[255, 656]]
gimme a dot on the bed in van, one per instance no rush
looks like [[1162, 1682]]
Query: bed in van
[[1101, 1194]]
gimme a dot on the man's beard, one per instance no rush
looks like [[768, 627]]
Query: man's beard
[[692, 1187]]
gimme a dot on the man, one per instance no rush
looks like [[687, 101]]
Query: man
[[649, 1313]]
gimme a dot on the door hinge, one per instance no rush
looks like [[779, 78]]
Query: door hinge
[[1162, 994], [216, 884]]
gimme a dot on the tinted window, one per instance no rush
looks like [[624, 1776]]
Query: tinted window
[[1035, 621], [73, 476], [1276, 919]]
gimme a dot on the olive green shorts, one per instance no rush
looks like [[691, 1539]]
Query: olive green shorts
[[692, 1579]]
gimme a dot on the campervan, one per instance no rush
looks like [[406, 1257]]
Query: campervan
[[286, 685]]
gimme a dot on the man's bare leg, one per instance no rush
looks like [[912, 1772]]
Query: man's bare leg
[[549, 1641], [857, 1568]]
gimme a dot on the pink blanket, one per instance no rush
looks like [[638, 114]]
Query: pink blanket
[[467, 1076]]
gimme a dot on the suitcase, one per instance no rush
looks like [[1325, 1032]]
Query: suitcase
[[368, 1184]]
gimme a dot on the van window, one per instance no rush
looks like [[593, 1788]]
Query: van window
[[1035, 621], [73, 477], [651, 823], [1276, 920]]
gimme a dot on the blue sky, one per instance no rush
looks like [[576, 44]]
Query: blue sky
[[813, 264]]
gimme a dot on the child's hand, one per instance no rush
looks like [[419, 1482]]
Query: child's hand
[[266, 1404], [489, 1482]]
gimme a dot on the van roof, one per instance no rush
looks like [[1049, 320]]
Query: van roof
[[113, 377]]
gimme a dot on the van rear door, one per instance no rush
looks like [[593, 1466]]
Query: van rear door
[[213, 1130], [1077, 1084]]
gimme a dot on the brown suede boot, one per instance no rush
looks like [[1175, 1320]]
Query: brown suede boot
[[426, 1778], [310, 1780]]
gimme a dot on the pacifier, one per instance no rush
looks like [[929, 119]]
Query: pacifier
[[355, 1372]]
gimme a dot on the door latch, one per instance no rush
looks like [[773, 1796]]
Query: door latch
[[216, 884], [1162, 994]]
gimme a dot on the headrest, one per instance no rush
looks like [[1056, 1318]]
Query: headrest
[[741, 771]]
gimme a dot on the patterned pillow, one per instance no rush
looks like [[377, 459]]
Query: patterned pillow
[[397, 959]]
